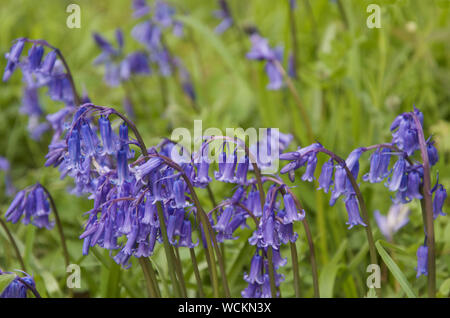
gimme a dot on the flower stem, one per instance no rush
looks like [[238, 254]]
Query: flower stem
[[362, 204], [170, 257], [295, 269], [149, 275], [180, 271], [59, 226], [14, 244], [309, 238], [197, 273], [428, 208]]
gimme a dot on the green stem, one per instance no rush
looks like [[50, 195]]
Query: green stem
[[180, 271], [59, 226], [150, 283], [428, 211], [295, 269], [14, 244], [197, 273], [168, 251], [312, 254]]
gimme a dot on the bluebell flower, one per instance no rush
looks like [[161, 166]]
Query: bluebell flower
[[379, 164], [422, 261], [186, 80], [398, 171], [30, 102], [253, 203], [147, 34], [13, 58], [48, 63], [285, 232], [440, 194], [123, 173], [310, 168], [186, 235], [224, 219], [124, 140], [164, 61], [33, 205], [433, 155], [147, 168], [17, 289], [396, 218], [35, 55], [178, 190], [340, 180], [163, 14], [89, 140], [404, 132], [261, 51], [253, 290], [74, 149], [227, 173], [109, 139], [413, 185], [5, 166], [150, 213], [135, 63], [256, 274], [140, 8], [225, 15], [242, 169], [265, 151], [326, 176], [351, 204], [291, 212], [202, 178]]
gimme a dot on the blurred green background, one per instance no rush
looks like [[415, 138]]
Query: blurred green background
[[353, 81]]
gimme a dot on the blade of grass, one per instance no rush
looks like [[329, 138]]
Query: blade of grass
[[395, 270]]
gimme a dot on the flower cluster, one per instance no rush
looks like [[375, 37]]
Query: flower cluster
[[33, 205], [261, 51], [120, 68], [40, 71], [405, 177], [275, 229], [334, 176]]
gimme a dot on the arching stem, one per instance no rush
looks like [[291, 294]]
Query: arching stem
[[13, 243], [427, 208]]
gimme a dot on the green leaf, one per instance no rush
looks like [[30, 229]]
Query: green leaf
[[444, 290], [395, 270], [5, 280]]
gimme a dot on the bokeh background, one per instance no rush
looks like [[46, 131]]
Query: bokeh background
[[353, 81]]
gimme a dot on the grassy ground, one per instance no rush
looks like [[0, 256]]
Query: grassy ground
[[353, 82]]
